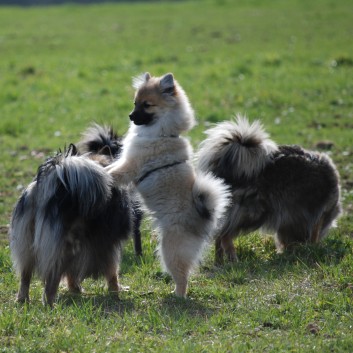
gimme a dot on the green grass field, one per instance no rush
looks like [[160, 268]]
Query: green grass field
[[289, 63]]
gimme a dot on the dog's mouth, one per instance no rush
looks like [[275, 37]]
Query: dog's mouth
[[141, 118]]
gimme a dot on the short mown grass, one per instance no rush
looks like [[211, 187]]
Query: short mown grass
[[288, 63]]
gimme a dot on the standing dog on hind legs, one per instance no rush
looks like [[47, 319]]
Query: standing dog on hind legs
[[69, 222], [285, 189], [185, 206]]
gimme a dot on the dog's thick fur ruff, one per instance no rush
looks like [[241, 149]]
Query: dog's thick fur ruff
[[69, 222], [185, 206], [287, 190]]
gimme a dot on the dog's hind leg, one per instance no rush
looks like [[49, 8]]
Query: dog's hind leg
[[180, 275], [328, 220], [218, 251], [289, 236], [51, 288], [137, 233], [316, 232], [228, 248], [180, 252], [74, 284], [23, 293], [224, 246], [111, 276]]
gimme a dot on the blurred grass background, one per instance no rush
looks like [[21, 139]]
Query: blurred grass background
[[288, 63]]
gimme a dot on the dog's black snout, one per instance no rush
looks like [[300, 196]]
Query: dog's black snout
[[140, 117]]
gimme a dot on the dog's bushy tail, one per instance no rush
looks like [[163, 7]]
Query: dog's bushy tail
[[235, 149], [101, 140], [211, 197], [75, 181]]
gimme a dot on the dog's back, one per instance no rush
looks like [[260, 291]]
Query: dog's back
[[303, 188]]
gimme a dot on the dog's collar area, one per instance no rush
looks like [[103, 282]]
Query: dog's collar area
[[147, 174], [164, 136], [174, 136]]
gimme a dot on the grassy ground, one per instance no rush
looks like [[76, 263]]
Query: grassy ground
[[288, 63]]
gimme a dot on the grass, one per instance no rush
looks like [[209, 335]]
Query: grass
[[287, 63]]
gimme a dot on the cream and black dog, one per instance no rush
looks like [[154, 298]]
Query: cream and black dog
[[185, 206], [285, 189]]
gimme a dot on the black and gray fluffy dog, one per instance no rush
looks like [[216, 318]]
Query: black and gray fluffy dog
[[98, 141], [71, 221], [287, 190]]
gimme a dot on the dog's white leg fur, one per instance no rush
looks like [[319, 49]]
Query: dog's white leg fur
[[180, 252], [122, 171]]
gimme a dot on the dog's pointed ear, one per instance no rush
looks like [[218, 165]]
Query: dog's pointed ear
[[167, 84], [105, 151], [147, 76], [71, 151], [138, 81]]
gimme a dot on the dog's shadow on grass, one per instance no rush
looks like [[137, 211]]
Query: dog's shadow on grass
[[267, 262], [184, 308], [106, 303], [253, 263]]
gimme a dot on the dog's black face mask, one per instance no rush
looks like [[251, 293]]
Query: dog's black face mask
[[139, 116]]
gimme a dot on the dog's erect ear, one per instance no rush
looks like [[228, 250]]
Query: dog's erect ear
[[167, 84], [138, 81], [147, 76], [71, 151], [106, 151]]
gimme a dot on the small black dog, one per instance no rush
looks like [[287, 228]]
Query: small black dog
[[284, 189], [71, 221]]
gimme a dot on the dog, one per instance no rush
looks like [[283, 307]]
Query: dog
[[185, 206], [287, 190], [70, 222], [104, 145]]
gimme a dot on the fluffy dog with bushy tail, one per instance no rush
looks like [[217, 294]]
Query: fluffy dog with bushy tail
[[70, 222], [185, 205], [287, 190]]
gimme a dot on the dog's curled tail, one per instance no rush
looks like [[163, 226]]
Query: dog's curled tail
[[71, 181], [101, 140], [235, 149], [211, 197]]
